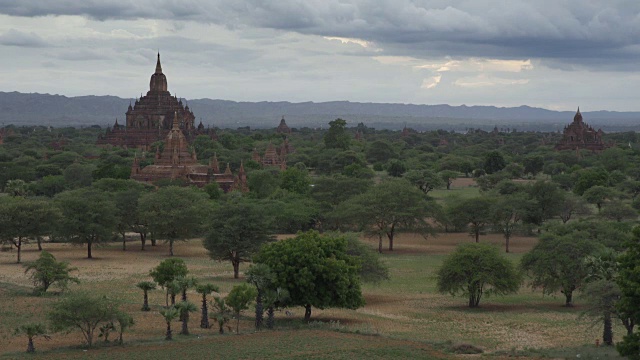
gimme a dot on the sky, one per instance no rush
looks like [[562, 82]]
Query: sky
[[554, 54]]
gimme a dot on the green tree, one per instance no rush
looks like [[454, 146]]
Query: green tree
[[589, 178], [274, 298], [372, 268], [477, 269], [78, 175], [124, 321], [618, 211], [175, 213], [167, 271], [88, 217], [448, 177], [184, 308], [629, 282], [337, 136], [494, 162], [572, 205], [84, 312], [46, 271], [295, 180], [396, 168], [316, 271], [31, 331], [204, 290], [475, 212], [146, 286], [387, 208], [22, 219], [602, 293], [598, 195], [507, 212], [556, 263], [533, 164], [238, 229], [546, 202], [221, 313], [425, 180], [239, 299], [260, 276], [169, 314]]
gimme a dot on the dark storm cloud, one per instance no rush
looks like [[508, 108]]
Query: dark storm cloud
[[595, 34], [18, 38]]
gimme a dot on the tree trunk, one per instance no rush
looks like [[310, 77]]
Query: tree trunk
[[166, 297], [185, 325], [607, 333], [173, 299], [124, 242], [237, 323], [569, 298], [259, 311], [204, 321], [506, 238], [171, 247], [307, 312], [221, 327], [168, 337], [120, 339], [236, 268], [380, 244], [30, 347], [89, 250], [270, 317], [39, 240], [477, 234], [19, 246], [145, 305], [143, 240], [390, 235], [153, 239]]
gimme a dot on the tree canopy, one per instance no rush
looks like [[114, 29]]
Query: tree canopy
[[316, 271]]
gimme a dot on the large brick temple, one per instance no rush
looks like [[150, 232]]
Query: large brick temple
[[178, 162], [150, 118], [579, 135]]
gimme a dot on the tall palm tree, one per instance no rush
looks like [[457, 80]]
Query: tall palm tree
[[272, 300], [32, 330], [260, 276], [185, 307], [146, 286], [169, 315], [205, 289]]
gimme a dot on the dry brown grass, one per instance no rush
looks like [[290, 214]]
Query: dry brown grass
[[406, 308]]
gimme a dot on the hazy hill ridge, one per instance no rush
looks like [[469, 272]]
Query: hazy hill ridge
[[56, 110]]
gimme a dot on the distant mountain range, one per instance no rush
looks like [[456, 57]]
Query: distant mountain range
[[56, 110]]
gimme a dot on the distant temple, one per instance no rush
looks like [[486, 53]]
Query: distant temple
[[283, 128], [274, 157], [579, 135], [149, 119], [176, 162]]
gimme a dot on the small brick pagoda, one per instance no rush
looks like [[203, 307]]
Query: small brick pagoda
[[579, 135], [177, 162], [283, 128], [149, 119], [274, 157]]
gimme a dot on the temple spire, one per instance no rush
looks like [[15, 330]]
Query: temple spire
[[158, 66], [176, 125]]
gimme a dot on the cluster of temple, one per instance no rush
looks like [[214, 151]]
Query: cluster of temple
[[579, 135], [177, 162], [273, 157], [160, 116]]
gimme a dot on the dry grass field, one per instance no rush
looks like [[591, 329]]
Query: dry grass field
[[403, 317]]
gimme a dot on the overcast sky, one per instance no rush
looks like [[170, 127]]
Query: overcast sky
[[556, 54]]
